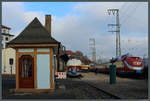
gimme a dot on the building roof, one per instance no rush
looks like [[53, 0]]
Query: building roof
[[6, 27], [34, 33], [69, 52]]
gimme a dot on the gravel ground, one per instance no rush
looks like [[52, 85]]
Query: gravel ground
[[82, 90]]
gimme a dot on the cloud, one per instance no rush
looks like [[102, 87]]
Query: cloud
[[15, 16], [136, 46], [74, 30], [134, 19], [89, 20], [29, 16]]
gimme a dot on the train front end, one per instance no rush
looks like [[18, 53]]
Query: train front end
[[133, 64]]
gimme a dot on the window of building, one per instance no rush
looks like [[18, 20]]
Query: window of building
[[4, 31], [11, 61], [6, 38]]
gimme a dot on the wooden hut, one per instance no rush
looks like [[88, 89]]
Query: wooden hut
[[35, 49]]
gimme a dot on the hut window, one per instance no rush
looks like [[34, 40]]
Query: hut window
[[27, 67], [26, 50], [55, 61], [42, 49]]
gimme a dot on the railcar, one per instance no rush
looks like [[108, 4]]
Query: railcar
[[126, 64]]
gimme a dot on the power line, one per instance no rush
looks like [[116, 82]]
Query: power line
[[131, 11]]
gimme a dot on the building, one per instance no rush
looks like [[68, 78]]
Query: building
[[8, 54], [69, 52], [8, 61], [78, 55], [35, 51], [6, 36]]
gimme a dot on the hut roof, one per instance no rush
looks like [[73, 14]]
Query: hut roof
[[34, 33]]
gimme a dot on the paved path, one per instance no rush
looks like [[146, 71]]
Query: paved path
[[76, 89], [65, 89], [124, 88]]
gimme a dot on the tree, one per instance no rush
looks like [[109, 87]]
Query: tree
[[78, 53]]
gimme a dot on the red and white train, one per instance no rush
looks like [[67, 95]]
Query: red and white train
[[124, 64]]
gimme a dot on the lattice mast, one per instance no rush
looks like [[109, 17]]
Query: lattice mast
[[92, 49], [118, 45]]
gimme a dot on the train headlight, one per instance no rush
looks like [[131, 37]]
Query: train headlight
[[137, 63]]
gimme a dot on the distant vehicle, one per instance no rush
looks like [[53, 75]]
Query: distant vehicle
[[125, 64], [92, 65], [73, 74], [73, 68]]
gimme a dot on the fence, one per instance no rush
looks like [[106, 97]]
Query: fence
[[8, 81]]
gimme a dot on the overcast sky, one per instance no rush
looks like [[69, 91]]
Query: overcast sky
[[73, 23]]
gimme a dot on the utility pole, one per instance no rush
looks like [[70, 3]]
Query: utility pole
[[118, 46], [92, 49]]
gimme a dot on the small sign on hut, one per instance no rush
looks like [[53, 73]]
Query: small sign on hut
[[34, 57]]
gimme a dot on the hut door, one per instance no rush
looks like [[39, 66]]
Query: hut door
[[26, 72]]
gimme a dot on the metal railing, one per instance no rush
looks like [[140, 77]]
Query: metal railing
[[8, 82]]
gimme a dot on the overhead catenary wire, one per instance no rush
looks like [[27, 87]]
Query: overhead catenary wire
[[131, 12], [126, 21]]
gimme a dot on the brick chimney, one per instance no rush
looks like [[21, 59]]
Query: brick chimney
[[48, 23]]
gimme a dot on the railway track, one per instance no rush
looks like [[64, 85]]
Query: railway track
[[93, 86], [131, 76], [112, 95]]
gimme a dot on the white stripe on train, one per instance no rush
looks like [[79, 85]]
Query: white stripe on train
[[132, 67]]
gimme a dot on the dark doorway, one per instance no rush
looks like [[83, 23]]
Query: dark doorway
[[26, 72]]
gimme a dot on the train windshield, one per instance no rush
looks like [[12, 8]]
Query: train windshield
[[126, 55]]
